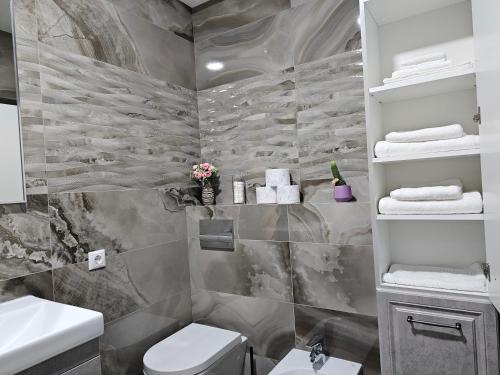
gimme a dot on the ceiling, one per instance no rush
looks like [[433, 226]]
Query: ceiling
[[191, 3]]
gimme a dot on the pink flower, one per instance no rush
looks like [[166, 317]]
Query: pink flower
[[195, 167], [205, 166], [208, 173], [198, 175]]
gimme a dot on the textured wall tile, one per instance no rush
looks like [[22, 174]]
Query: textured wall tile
[[254, 268], [348, 336], [129, 282], [36, 284], [335, 277], [335, 223], [126, 340], [267, 324], [117, 221], [254, 49], [25, 19], [24, 238], [107, 128], [230, 14], [324, 28]]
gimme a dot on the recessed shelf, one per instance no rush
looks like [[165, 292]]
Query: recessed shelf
[[434, 155], [428, 85], [450, 217]]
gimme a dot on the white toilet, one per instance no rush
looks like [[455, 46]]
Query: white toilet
[[197, 350]]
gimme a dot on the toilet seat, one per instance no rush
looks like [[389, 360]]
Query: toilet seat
[[190, 350]]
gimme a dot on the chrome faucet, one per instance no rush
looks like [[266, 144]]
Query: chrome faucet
[[318, 354]]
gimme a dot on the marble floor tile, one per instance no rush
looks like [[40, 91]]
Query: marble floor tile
[[25, 19], [254, 269], [130, 281], [126, 340], [269, 325], [107, 128], [230, 14], [335, 277], [335, 223], [348, 336], [117, 221], [324, 28], [36, 284], [24, 238]]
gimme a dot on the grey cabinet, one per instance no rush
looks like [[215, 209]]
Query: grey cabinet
[[425, 335]]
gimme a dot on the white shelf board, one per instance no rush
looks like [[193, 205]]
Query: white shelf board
[[429, 85], [453, 293], [388, 11], [433, 155], [450, 217]]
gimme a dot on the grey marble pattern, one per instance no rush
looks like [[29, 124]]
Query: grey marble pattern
[[24, 238], [263, 365], [324, 28], [92, 367], [340, 278], [126, 340], [7, 71], [254, 268], [250, 50], [99, 30], [36, 284], [117, 221], [348, 336], [130, 281], [335, 223], [269, 325], [25, 19], [230, 14], [107, 128]]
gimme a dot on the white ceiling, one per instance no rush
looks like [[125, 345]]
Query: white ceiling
[[191, 3], [5, 24]]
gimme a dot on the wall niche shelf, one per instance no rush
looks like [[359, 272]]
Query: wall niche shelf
[[434, 155], [454, 217], [433, 291]]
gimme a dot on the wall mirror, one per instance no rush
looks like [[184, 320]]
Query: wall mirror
[[12, 187]]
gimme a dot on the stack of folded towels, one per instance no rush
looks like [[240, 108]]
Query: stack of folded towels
[[418, 66], [444, 198], [424, 141]]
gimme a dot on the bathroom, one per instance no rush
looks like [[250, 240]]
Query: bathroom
[[249, 187]]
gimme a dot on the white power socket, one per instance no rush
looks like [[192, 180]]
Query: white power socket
[[97, 259]]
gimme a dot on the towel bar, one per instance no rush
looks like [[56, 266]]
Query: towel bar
[[456, 326]]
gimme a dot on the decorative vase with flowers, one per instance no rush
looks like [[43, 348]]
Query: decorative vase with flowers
[[341, 191], [207, 176]]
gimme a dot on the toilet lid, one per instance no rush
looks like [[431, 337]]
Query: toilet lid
[[190, 350]]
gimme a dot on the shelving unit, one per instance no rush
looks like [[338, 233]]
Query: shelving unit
[[457, 217], [434, 155]]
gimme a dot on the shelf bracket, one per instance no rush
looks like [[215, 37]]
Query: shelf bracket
[[477, 116]]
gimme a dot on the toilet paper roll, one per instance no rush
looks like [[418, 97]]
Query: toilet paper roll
[[265, 195], [288, 194], [277, 177]]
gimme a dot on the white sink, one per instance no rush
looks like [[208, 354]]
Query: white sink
[[33, 330], [297, 362]]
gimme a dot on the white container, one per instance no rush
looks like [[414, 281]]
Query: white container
[[288, 194], [266, 195], [238, 192], [277, 177]]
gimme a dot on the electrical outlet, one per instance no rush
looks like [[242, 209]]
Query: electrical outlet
[[97, 259]]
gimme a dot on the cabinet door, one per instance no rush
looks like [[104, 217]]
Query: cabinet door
[[486, 15]]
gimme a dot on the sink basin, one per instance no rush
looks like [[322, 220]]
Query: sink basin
[[297, 362], [34, 330]]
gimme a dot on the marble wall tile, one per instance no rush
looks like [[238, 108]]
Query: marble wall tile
[[101, 31], [130, 281], [335, 223], [36, 284], [269, 325], [7, 71], [126, 340], [107, 128], [24, 238], [348, 336], [230, 14], [254, 268], [324, 28], [248, 51], [25, 19], [340, 278], [117, 221]]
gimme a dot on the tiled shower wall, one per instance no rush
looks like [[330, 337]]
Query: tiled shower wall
[[289, 95], [110, 128]]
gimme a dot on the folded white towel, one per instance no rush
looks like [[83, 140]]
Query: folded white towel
[[470, 279], [384, 149], [434, 56], [441, 191], [420, 68], [427, 134], [409, 74], [470, 203]]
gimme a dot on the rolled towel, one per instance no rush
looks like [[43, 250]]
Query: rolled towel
[[470, 203], [442, 191], [470, 279], [384, 149], [427, 134], [434, 56]]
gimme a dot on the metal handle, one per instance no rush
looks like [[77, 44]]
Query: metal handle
[[456, 326]]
